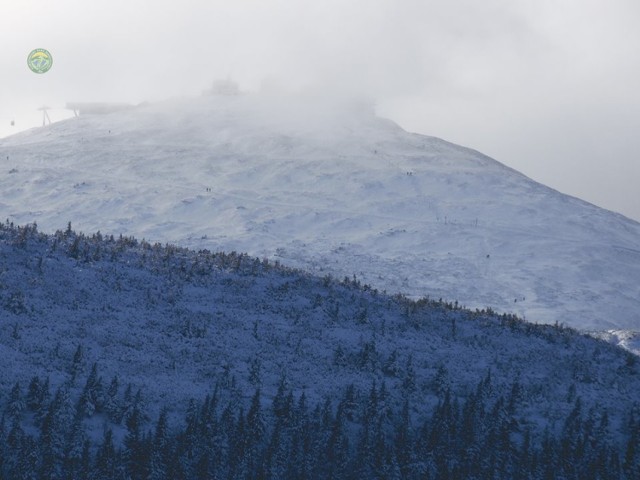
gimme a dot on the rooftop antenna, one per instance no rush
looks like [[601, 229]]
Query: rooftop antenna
[[45, 115]]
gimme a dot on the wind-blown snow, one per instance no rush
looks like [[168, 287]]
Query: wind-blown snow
[[331, 188]]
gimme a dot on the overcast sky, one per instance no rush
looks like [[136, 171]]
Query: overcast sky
[[548, 87]]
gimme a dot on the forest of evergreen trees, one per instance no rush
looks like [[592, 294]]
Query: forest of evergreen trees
[[404, 413], [45, 435]]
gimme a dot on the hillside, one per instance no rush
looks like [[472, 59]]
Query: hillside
[[103, 335], [328, 187]]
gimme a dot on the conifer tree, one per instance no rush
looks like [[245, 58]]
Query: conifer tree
[[91, 399], [16, 404], [111, 402], [106, 464], [135, 448], [75, 450], [160, 453]]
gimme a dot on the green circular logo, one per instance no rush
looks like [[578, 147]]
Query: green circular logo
[[39, 60]]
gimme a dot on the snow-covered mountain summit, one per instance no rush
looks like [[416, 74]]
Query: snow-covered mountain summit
[[329, 187]]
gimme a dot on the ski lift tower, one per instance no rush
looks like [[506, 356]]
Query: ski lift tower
[[45, 115]]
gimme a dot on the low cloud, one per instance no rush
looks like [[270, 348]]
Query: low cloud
[[501, 76]]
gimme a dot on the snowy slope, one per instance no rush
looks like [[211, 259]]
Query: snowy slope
[[329, 187]]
